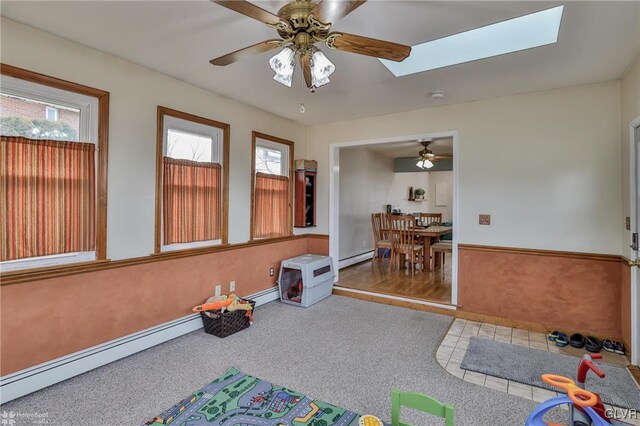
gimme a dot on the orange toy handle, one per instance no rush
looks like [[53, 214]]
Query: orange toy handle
[[579, 396], [213, 306]]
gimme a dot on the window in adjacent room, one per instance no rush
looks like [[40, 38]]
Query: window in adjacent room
[[192, 181], [51, 113], [271, 186], [50, 178]]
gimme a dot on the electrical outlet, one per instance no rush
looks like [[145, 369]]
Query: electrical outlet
[[272, 271], [484, 219], [232, 286], [218, 290]]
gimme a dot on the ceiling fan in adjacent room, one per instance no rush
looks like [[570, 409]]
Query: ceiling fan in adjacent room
[[301, 25], [426, 158]]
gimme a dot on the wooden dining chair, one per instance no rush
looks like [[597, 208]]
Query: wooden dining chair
[[380, 234], [430, 218], [440, 249], [403, 242]]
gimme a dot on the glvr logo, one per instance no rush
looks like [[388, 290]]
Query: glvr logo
[[8, 418], [622, 413]]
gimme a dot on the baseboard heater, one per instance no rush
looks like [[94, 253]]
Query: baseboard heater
[[355, 259], [31, 379]]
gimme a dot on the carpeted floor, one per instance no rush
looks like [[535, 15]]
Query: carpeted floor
[[344, 351]]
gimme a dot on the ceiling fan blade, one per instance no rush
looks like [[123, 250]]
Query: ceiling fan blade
[[250, 10], [232, 57], [443, 156], [305, 63], [328, 11], [368, 46]]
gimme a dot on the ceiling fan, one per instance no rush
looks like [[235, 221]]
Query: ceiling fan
[[426, 158], [301, 24]]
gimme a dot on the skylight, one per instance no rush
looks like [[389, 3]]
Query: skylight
[[525, 32]]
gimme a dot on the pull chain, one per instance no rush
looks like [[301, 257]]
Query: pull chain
[[302, 108]]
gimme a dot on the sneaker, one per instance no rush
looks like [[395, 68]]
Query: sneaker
[[594, 344], [619, 348], [553, 335], [609, 345], [562, 340]]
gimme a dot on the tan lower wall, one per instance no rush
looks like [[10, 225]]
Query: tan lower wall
[[45, 319], [577, 293]]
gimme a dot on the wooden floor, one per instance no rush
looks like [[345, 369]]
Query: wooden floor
[[434, 286]]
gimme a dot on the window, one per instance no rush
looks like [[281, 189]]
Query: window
[[52, 171], [271, 186], [51, 113], [192, 181]]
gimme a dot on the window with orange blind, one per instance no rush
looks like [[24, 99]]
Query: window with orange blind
[[272, 187], [192, 181], [49, 176]]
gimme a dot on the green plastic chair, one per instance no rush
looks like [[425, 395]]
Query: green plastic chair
[[418, 402]]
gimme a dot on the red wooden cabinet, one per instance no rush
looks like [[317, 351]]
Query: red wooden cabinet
[[305, 207]]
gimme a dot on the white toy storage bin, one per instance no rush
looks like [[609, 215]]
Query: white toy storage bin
[[312, 272]]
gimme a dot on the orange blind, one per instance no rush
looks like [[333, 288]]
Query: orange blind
[[191, 201], [47, 197], [271, 206]]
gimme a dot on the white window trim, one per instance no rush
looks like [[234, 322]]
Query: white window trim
[[44, 261], [277, 146], [217, 137], [88, 107]]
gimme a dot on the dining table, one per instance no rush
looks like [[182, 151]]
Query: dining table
[[429, 234]]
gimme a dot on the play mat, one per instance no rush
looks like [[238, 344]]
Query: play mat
[[236, 398]]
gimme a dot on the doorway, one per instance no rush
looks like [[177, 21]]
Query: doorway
[[351, 244]]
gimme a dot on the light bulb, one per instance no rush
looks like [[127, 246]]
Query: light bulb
[[302, 108]]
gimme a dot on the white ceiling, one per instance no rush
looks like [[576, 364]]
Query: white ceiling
[[598, 41]]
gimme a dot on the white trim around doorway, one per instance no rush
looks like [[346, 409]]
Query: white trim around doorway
[[635, 292], [334, 196]]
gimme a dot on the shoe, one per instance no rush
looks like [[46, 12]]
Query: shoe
[[609, 345], [562, 340], [577, 340], [619, 348], [553, 335], [594, 344]]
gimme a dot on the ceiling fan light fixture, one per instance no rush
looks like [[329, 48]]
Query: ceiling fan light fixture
[[283, 65], [321, 68], [424, 164]]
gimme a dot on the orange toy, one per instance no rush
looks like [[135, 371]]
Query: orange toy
[[214, 306]]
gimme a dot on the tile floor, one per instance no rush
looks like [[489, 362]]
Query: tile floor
[[454, 346]]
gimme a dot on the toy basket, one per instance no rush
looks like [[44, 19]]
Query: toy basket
[[227, 323]]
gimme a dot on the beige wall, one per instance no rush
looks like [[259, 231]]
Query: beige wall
[[399, 192], [629, 111], [545, 165], [364, 181], [135, 92]]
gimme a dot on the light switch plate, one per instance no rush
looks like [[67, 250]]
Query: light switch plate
[[485, 219], [627, 223]]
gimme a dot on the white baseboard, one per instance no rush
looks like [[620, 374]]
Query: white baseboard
[[355, 259], [31, 379]]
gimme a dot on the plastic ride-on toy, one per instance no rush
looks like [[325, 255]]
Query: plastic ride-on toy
[[585, 408]]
